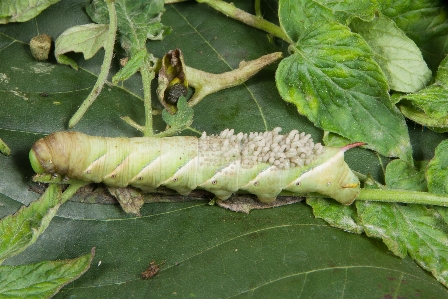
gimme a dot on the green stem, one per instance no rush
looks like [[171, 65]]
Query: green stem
[[403, 196], [71, 190], [168, 132], [193, 130], [147, 76], [174, 1], [248, 19], [258, 9], [206, 83], [109, 51], [133, 124]]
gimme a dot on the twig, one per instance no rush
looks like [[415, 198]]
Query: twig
[[207, 83], [108, 54], [147, 76], [258, 9], [403, 196], [248, 19]]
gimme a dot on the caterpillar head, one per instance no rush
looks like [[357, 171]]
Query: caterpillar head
[[51, 154], [35, 164], [41, 158]]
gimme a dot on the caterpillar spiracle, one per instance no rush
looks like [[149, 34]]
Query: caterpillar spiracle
[[263, 164]]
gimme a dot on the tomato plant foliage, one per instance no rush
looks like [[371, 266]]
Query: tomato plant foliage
[[346, 68]]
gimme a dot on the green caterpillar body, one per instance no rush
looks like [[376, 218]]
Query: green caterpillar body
[[263, 164]]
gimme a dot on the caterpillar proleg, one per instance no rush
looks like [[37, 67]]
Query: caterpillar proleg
[[263, 164]]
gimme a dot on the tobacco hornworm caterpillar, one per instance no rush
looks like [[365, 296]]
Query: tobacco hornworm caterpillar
[[263, 164]]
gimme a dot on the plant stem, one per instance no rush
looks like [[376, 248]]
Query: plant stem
[[71, 190], [248, 19], [108, 54], [206, 83], [168, 132], [258, 9], [403, 196], [147, 76], [133, 124]]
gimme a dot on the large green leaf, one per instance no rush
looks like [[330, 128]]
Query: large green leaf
[[22, 229], [203, 251], [295, 16], [21, 10], [86, 39], [43, 279], [398, 56], [425, 22], [332, 79], [346, 10], [413, 229]]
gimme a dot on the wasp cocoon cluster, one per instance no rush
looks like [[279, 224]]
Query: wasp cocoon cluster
[[263, 164], [283, 151]]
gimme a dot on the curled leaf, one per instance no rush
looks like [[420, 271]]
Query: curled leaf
[[429, 106], [172, 80], [130, 199], [87, 39]]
